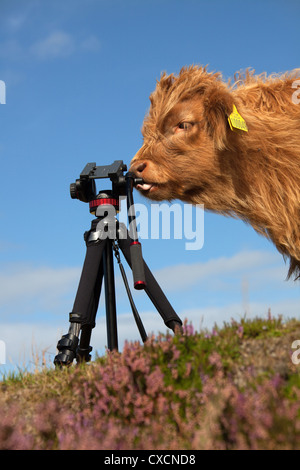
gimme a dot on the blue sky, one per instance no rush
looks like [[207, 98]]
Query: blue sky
[[78, 76]]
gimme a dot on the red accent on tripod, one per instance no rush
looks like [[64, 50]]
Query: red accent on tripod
[[139, 285], [104, 201]]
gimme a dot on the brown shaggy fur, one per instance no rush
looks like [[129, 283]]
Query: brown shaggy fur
[[254, 176]]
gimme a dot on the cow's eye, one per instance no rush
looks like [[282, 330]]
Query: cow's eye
[[183, 126]]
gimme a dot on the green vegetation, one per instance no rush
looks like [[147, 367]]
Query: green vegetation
[[234, 387]]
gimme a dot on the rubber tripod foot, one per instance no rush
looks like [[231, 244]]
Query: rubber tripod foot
[[175, 326]]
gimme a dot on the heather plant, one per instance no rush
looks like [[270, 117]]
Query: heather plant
[[233, 387]]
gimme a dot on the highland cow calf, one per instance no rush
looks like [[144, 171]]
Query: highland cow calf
[[234, 148]]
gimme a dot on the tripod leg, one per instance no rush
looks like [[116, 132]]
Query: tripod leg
[[84, 348], [85, 307], [88, 293], [110, 297], [153, 290]]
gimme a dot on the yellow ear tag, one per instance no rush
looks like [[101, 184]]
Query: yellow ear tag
[[236, 121]]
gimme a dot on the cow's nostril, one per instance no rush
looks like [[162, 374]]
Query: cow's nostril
[[140, 168]]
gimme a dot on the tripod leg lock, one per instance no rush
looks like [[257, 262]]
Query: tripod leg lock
[[75, 317], [67, 347]]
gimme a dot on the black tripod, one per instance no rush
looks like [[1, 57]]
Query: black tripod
[[108, 236]]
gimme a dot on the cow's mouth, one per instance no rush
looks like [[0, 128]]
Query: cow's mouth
[[147, 187]]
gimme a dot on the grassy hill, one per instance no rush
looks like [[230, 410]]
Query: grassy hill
[[234, 387]]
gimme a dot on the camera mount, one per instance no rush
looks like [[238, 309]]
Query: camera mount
[[107, 236]]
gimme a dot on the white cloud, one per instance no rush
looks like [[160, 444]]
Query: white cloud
[[11, 49], [90, 44], [29, 289], [208, 316], [250, 263], [24, 289], [15, 22], [24, 340], [58, 44]]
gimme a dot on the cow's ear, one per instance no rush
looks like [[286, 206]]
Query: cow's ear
[[218, 105]]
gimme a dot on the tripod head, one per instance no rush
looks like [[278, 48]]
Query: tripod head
[[85, 190]]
